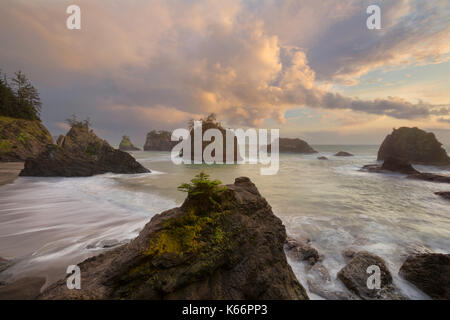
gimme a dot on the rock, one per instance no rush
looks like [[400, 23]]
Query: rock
[[232, 252], [349, 253], [354, 276], [415, 146], [294, 146], [159, 141], [80, 153], [393, 165], [21, 139], [443, 194], [327, 293], [23, 289], [4, 264], [126, 145], [343, 154], [430, 272], [431, 177], [302, 251], [322, 158]]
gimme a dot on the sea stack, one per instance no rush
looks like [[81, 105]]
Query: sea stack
[[126, 145], [295, 146], [80, 153], [415, 146], [231, 249], [159, 141]]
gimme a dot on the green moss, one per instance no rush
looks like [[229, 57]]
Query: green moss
[[5, 146], [90, 150]]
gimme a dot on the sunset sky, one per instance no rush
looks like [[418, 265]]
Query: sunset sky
[[310, 68]]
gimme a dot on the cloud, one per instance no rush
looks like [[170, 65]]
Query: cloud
[[157, 63]]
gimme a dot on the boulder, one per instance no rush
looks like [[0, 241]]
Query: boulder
[[301, 251], [415, 146], [354, 276], [430, 272], [21, 139], [443, 194], [343, 154], [78, 154], [322, 158], [232, 252], [126, 145], [159, 141]]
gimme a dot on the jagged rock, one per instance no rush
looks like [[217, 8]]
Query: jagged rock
[[393, 165], [21, 139], [159, 141], [235, 252], [80, 153], [430, 272], [443, 194], [354, 276], [126, 145], [322, 158], [415, 146], [23, 289], [343, 154], [294, 146], [302, 251]]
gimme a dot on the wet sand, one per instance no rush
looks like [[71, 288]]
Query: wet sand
[[9, 171]]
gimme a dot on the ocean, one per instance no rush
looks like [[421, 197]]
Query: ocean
[[47, 224]]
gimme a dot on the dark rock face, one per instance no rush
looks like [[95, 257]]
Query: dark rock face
[[415, 146], [430, 272], [234, 253], [294, 146], [443, 194], [80, 153], [21, 139], [343, 154], [126, 145], [159, 141], [354, 276]]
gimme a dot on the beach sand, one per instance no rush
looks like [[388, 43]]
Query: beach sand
[[9, 171]]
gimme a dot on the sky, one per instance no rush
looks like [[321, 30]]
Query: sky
[[310, 68]]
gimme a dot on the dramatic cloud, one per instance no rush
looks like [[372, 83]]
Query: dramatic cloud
[[158, 63]]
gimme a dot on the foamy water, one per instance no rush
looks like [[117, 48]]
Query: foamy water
[[48, 223]]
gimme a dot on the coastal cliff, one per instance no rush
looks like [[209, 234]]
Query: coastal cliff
[[22, 138], [222, 243]]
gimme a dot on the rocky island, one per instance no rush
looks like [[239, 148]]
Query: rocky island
[[295, 146], [126, 145], [80, 153], [224, 242], [415, 146], [159, 141]]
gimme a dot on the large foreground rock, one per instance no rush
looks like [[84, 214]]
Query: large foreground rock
[[354, 276], [21, 139], [415, 146], [80, 153], [430, 272], [186, 253]]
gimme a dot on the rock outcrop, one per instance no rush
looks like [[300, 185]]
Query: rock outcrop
[[232, 252], [354, 276], [78, 154], [343, 154], [159, 141], [430, 177], [393, 165], [430, 272], [21, 139], [443, 194], [295, 146], [126, 145], [415, 146], [322, 158], [301, 251]]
